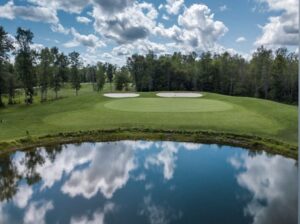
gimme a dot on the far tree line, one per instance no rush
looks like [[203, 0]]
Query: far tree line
[[269, 75]]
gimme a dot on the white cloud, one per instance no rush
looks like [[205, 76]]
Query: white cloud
[[98, 217], [23, 195], [283, 29], [90, 41], [37, 211], [174, 6], [131, 24], [83, 19], [273, 180], [108, 171], [240, 39], [72, 6], [191, 146], [223, 8], [167, 158], [140, 46], [58, 28], [32, 13], [158, 214], [109, 6], [196, 30]]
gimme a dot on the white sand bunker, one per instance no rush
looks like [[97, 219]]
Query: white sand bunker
[[121, 95], [174, 94]]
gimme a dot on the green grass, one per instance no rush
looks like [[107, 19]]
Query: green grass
[[92, 111], [173, 105]]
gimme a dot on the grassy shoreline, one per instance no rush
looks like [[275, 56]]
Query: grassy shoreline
[[251, 142]]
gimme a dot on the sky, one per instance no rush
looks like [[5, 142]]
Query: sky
[[112, 30]]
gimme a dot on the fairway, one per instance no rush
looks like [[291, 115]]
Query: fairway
[[168, 105]]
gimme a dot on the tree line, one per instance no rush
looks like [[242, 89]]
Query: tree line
[[269, 75], [41, 71]]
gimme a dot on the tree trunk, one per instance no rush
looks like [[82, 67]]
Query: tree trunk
[[1, 102], [56, 94], [10, 99], [45, 95], [42, 95]]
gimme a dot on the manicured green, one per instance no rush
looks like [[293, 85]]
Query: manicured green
[[92, 111], [173, 105]]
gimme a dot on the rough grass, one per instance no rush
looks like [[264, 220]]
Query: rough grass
[[87, 112]]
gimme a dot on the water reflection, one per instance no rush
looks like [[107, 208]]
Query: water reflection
[[146, 182], [97, 216], [272, 180]]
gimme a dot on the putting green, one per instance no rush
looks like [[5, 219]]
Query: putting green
[[168, 105]]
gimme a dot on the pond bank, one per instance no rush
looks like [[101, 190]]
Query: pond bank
[[206, 137]]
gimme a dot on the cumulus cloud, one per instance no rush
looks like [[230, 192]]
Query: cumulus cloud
[[167, 158], [157, 214], [240, 39], [272, 180], [140, 46], [32, 13], [174, 6], [131, 24], [108, 171], [109, 6], [282, 29], [98, 217], [83, 19], [58, 28], [168, 155], [72, 6], [37, 211], [196, 30], [23, 195], [90, 41]]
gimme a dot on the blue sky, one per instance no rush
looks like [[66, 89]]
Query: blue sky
[[112, 30]]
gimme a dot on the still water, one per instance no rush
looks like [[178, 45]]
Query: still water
[[147, 182]]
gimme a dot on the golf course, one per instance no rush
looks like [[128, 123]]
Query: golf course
[[212, 117]]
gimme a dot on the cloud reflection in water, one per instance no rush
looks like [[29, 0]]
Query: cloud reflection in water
[[272, 180]]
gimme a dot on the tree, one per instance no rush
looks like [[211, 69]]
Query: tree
[[24, 63], [279, 74], [261, 69], [100, 76], [11, 84], [5, 47], [75, 76], [122, 79], [58, 63], [63, 63], [92, 76], [110, 69], [44, 74]]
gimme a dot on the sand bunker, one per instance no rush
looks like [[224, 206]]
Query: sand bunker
[[174, 94], [121, 95]]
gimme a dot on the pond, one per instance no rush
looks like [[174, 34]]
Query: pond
[[147, 182]]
